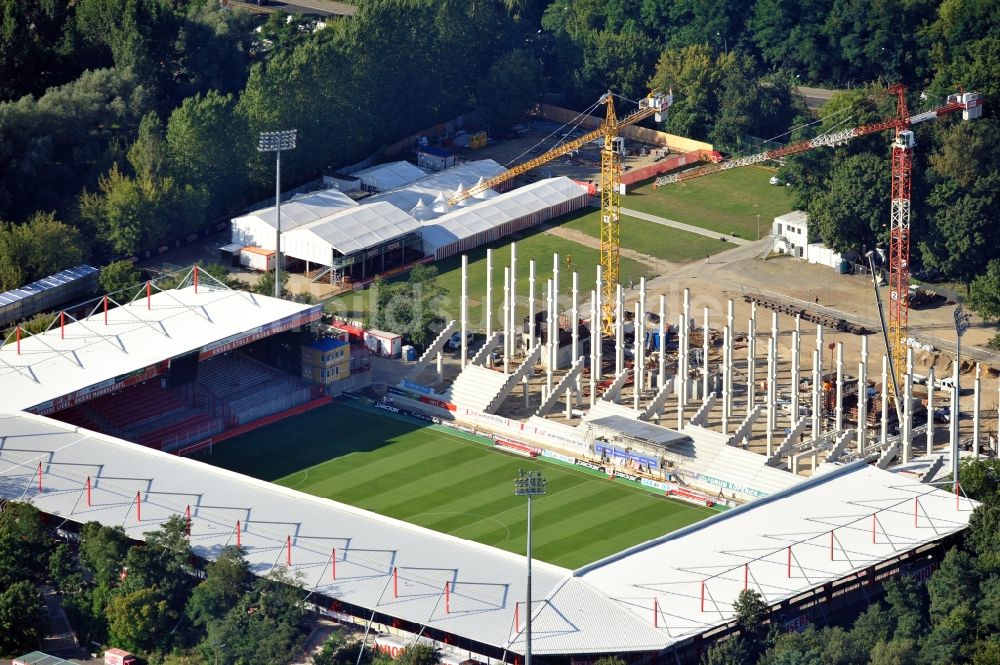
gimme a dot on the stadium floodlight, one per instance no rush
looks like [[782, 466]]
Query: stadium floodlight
[[276, 142], [529, 484]]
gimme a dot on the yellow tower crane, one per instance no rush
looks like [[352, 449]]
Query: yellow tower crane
[[654, 104]]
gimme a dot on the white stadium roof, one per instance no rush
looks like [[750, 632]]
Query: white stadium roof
[[389, 176], [348, 231], [136, 336], [441, 184], [605, 607], [477, 217]]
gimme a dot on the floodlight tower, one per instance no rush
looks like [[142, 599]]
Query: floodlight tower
[[529, 484], [276, 142]]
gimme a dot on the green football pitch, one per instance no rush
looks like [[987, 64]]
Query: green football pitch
[[451, 482]]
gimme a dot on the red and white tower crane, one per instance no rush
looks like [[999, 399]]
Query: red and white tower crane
[[969, 103]]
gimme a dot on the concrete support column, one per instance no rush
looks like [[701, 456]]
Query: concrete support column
[[440, 367], [686, 340], [680, 379], [930, 411], [769, 397], [639, 358], [863, 396], [489, 293], [574, 316], [885, 400], [751, 357], [549, 337], [795, 378], [839, 407], [531, 306], [597, 326], [595, 345], [726, 373], [977, 386], [510, 339], [506, 320], [619, 330], [555, 309], [661, 330], [464, 310], [817, 405], [704, 356]]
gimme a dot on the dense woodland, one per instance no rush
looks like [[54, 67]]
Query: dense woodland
[[124, 123]]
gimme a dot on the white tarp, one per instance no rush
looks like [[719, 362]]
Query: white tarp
[[389, 176], [258, 228], [485, 221], [347, 232], [443, 183]]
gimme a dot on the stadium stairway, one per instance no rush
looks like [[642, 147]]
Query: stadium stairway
[[604, 408], [475, 388], [432, 350]]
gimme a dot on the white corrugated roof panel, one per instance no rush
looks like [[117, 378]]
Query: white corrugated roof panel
[[302, 209], [481, 216], [390, 176], [355, 229], [443, 182]]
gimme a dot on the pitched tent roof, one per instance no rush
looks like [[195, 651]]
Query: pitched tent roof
[[352, 230], [389, 176], [302, 209], [443, 182], [605, 607], [481, 216]]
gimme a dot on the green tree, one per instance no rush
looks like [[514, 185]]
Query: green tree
[[138, 620], [949, 641], [609, 660], [693, 74], [984, 294], [119, 276], [64, 572], [417, 654], [148, 152], [907, 603], [954, 583], [36, 47], [24, 544], [41, 247], [224, 584], [510, 88], [872, 626], [983, 537], [103, 550], [854, 209], [208, 144], [751, 614], [898, 651], [729, 652], [21, 617]]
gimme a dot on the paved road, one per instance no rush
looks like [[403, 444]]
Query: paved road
[[683, 227], [321, 7]]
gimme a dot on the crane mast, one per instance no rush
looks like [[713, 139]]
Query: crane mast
[[611, 178]]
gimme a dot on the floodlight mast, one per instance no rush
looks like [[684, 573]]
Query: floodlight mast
[[529, 484], [276, 142]]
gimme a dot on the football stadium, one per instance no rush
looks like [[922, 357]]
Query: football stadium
[[395, 507]]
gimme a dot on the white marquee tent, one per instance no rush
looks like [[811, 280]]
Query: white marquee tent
[[389, 176], [347, 232], [481, 222], [442, 184], [257, 228]]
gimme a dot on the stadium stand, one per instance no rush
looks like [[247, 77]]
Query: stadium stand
[[231, 390]]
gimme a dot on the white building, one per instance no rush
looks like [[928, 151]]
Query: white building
[[791, 236], [384, 177], [257, 229]]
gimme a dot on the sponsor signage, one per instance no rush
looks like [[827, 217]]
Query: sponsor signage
[[99, 390], [441, 404], [558, 456], [666, 487], [417, 387], [260, 332], [618, 453], [726, 485], [588, 464]]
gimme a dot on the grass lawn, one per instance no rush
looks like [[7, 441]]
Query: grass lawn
[[651, 238], [433, 477], [536, 245], [726, 202]]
